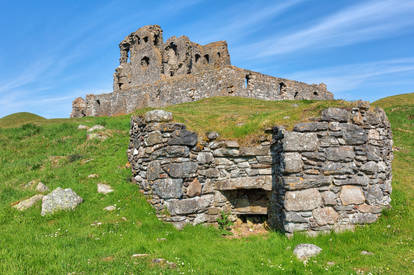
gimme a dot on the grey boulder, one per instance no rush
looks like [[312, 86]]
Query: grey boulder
[[60, 199], [304, 251]]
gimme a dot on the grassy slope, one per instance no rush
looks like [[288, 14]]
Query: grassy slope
[[18, 119], [66, 242]]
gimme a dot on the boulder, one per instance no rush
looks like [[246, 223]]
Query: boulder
[[212, 135], [304, 251], [60, 199], [158, 116]]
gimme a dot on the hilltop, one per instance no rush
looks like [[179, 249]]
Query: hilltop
[[18, 119], [94, 241]]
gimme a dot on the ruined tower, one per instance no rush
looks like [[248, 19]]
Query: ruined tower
[[154, 73]]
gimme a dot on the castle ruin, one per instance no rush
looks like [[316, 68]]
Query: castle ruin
[[154, 73]]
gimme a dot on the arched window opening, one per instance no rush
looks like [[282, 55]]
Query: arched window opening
[[218, 54], [146, 39], [246, 81], [207, 58], [197, 58], [282, 88], [315, 93], [156, 39], [145, 62]]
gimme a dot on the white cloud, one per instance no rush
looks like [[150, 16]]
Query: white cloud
[[358, 23]]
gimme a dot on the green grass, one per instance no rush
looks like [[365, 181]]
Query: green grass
[[58, 154], [18, 119]]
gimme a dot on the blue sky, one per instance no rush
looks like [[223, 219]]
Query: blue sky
[[54, 51]]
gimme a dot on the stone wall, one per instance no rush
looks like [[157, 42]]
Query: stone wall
[[154, 73], [334, 172], [328, 174]]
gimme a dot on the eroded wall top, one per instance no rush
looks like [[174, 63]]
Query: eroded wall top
[[146, 58]]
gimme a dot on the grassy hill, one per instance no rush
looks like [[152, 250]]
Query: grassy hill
[[18, 119], [58, 154]]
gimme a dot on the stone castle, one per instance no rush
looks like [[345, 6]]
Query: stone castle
[[154, 73]]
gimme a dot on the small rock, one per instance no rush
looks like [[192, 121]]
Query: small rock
[[83, 127], [364, 252], [330, 263], [60, 199], [93, 176], [100, 136], [305, 250], [212, 135], [286, 117], [42, 188], [23, 205], [158, 260], [139, 255], [104, 188], [96, 128], [161, 239], [110, 208]]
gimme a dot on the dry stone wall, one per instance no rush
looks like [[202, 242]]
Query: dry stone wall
[[328, 174], [154, 73]]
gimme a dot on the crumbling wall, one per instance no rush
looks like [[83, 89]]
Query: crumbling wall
[[227, 81], [192, 180], [333, 172], [329, 174], [155, 74]]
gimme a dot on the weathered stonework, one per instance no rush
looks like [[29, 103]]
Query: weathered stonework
[[155, 73], [337, 176]]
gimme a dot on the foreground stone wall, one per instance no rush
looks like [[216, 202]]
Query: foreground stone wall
[[334, 172], [329, 174], [154, 73]]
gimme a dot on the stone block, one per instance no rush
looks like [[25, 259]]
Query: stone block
[[335, 114], [354, 180], [260, 182], [176, 151], [189, 206], [258, 150], [351, 195], [329, 198], [292, 162], [300, 142], [181, 170], [310, 181], [154, 170], [362, 218], [183, 137], [158, 116], [205, 157], [353, 134], [303, 200], [168, 188], [153, 138], [342, 153], [311, 127], [194, 188], [325, 215]]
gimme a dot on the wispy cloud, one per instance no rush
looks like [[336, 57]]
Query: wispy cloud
[[246, 20], [342, 79], [355, 24]]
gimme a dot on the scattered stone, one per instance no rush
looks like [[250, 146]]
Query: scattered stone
[[83, 127], [161, 239], [158, 116], [96, 128], [100, 136], [26, 204], [104, 188], [42, 188], [93, 176], [139, 255], [364, 252], [305, 251], [110, 208], [60, 199]]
